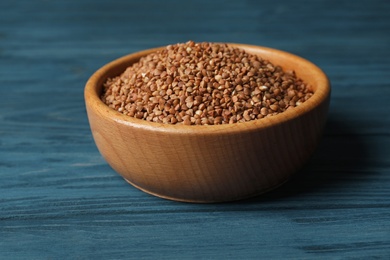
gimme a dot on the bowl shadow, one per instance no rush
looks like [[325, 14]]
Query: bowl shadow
[[341, 157]]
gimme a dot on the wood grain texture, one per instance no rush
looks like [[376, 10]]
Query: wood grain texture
[[60, 200], [210, 163]]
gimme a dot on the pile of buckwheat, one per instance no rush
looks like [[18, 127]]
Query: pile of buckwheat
[[203, 84]]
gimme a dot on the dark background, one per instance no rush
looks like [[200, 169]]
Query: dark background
[[59, 198]]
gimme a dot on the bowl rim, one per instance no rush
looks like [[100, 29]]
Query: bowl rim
[[94, 85]]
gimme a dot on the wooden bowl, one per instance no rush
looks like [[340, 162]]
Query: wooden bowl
[[216, 163]]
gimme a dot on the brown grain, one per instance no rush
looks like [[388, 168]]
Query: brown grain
[[203, 84]]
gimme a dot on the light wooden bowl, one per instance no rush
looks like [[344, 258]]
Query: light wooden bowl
[[216, 163]]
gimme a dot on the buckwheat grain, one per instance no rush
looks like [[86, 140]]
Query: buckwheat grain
[[203, 84]]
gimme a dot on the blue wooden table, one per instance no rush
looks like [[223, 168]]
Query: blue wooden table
[[60, 200]]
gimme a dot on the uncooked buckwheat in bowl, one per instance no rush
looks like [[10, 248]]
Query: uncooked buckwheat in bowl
[[207, 122], [204, 84]]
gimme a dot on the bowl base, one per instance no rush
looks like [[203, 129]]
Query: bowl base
[[208, 201]]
